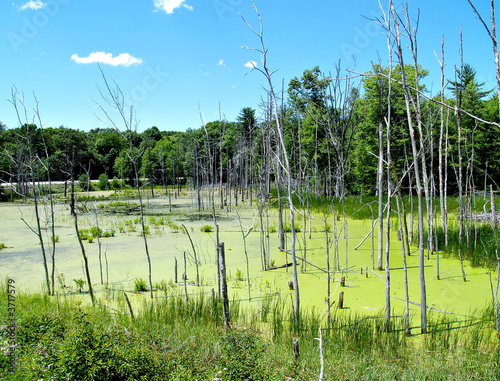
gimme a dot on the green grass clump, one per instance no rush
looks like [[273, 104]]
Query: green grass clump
[[207, 228], [140, 285], [2, 246]]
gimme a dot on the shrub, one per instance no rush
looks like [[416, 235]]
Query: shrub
[[207, 228], [116, 184], [103, 182], [79, 283], [96, 232], [240, 352], [2, 246]]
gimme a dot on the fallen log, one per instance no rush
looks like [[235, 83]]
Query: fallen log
[[278, 267]]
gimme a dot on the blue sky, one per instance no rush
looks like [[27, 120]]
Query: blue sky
[[172, 58]]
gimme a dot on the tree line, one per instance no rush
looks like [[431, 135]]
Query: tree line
[[330, 129]]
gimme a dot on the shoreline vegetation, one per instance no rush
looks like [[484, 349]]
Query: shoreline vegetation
[[170, 339]]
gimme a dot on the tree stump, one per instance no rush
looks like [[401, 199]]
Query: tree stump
[[342, 281], [296, 348], [341, 300], [290, 285]]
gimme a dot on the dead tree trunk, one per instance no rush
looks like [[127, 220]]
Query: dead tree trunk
[[225, 297]]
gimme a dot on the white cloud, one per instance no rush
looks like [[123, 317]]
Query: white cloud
[[35, 5], [220, 63], [123, 59], [251, 64], [169, 6]]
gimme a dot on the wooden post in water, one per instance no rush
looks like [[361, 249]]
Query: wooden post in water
[[184, 278], [341, 300], [175, 270], [493, 213], [129, 305], [225, 299]]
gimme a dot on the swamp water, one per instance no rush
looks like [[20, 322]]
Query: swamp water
[[126, 258]]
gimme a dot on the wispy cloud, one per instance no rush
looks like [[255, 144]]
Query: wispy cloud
[[168, 6], [123, 59], [220, 63], [35, 5], [251, 64]]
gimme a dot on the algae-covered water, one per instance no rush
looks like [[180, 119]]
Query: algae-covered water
[[21, 260]]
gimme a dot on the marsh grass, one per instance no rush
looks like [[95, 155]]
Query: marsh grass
[[207, 228], [479, 249], [171, 339]]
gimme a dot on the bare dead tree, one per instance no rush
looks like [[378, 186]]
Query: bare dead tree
[[442, 184], [80, 242], [285, 164], [115, 99], [493, 35], [29, 163], [415, 151]]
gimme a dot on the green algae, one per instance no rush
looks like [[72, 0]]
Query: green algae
[[364, 293]]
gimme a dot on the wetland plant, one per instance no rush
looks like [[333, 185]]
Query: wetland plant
[[207, 229], [140, 285], [79, 284]]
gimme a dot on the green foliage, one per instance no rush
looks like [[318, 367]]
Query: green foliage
[[240, 353], [207, 228], [288, 228], [140, 285], [481, 254], [2, 246], [61, 279], [102, 184], [239, 275], [84, 182], [174, 340], [90, 239], [79, 284], [116, 183], [84, 234]]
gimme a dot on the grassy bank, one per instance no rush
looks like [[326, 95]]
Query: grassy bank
[[169, 339]]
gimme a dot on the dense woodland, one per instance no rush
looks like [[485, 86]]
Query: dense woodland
[[331, 132]]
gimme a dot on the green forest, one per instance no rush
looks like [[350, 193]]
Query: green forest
[[331, 132]]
